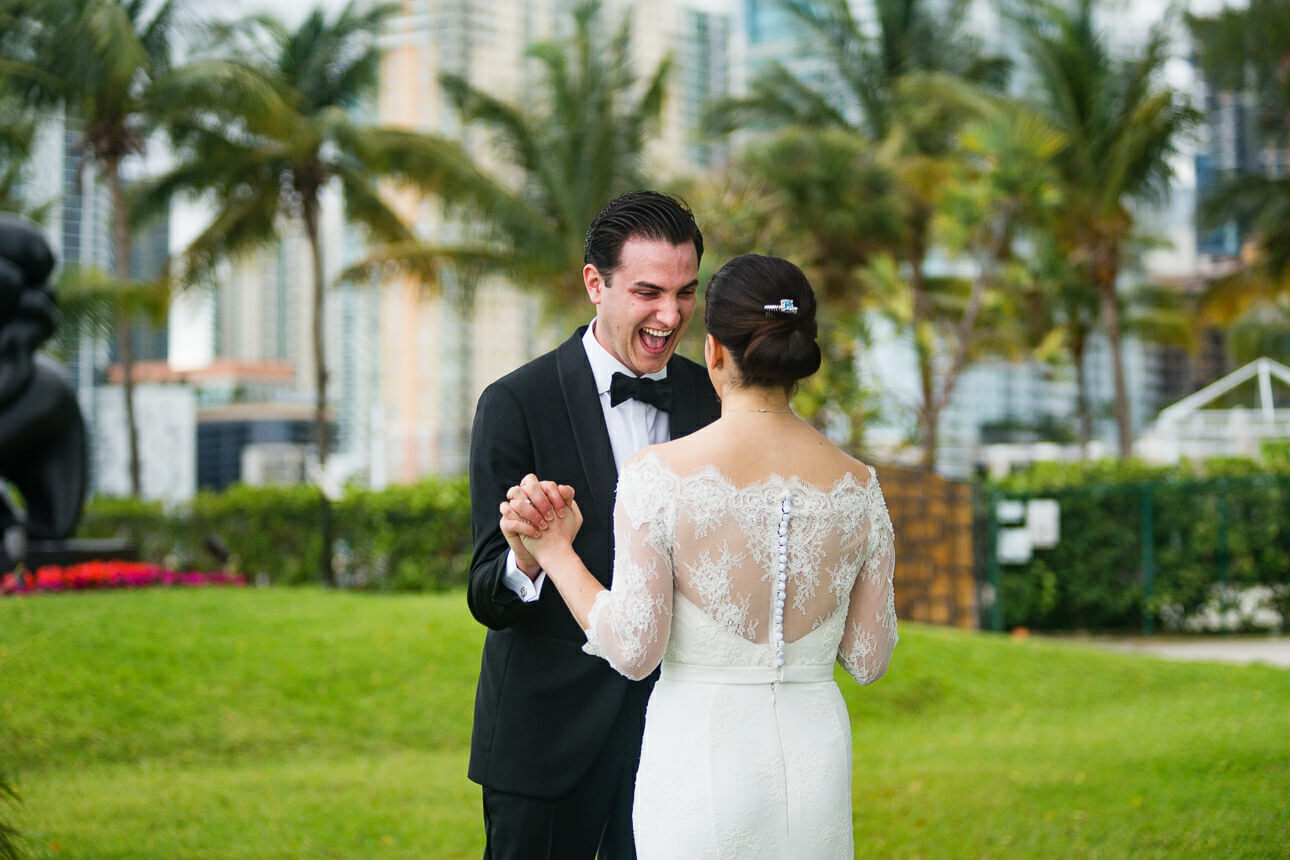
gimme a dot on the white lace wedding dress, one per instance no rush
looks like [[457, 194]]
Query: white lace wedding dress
[[747, 595]]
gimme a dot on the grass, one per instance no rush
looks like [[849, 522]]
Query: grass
[[300, 723]]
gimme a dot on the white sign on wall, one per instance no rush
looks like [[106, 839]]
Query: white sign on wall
[[1034, 524], [1010, 511], [1015, 546], [1043, 520]]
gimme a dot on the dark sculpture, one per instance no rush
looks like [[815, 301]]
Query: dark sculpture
[[42, 434]]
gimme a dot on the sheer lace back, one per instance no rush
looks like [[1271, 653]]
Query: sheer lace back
[[765, 565]]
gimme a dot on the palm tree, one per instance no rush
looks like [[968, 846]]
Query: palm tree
[[1122, 127], [863, 88], [1247, 51], [1000, 195], [569, 148], [794, 195], [266, 165], [104, 63], [16, 132], [1063, 315], [872, 90]]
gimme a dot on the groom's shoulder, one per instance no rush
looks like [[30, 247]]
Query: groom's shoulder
[[681, 364], [696, 373], [533, 377]]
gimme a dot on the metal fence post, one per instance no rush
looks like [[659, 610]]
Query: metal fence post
[[992, 560], [1224, 556], [1148, 541]]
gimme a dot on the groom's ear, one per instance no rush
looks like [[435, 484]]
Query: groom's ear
[[594, 281]]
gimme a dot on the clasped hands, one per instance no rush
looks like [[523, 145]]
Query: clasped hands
[[539, 520]]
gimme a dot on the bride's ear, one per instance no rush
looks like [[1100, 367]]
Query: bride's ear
[[714, 354]]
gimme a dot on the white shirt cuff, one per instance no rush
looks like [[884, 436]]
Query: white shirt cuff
[[528, 590]]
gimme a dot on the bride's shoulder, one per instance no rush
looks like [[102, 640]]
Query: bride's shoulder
[[827, 459], [680, 456], [862, 473], [651, 461]]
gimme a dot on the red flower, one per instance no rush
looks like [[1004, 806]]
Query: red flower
[[108, 574]]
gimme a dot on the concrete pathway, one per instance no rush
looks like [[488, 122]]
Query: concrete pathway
[[1267, 650]]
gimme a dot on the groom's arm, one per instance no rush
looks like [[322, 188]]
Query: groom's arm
[[501, 452]]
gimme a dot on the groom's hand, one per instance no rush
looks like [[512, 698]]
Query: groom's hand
[[529, 509]]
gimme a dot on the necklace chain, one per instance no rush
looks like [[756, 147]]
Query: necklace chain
[[774, 411]]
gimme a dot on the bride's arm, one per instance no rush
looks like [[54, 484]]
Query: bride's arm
[[554, 552], [870, 634], [629, 625]]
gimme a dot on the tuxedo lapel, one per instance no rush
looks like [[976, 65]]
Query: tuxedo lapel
[[590, 435]]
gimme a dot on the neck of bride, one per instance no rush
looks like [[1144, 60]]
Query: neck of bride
[[754, 400]]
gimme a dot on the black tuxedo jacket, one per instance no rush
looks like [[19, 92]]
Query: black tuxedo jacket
[[544, 709]]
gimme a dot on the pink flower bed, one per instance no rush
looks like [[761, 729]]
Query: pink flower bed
[[108, 574]]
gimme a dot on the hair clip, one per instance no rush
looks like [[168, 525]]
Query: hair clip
[[785, 306]]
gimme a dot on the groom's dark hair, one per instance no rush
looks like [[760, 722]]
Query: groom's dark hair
[[638, 215]]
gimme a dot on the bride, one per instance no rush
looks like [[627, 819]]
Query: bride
[[749, 556]]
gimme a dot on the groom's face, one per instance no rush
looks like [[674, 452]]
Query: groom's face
[[643, 306]]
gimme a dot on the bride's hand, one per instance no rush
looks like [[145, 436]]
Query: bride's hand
[[559, 533]]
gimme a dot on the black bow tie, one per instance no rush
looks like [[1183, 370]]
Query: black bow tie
[[655, 392]]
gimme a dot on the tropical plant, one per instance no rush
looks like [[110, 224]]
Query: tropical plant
[[871, 88], [861, 90], [266, 164], [91, 303], [793, 194], [16, 132], [572, 145], [1262, 331], [108, 65], [1003, 193], [1122, 128], [1246, 51]]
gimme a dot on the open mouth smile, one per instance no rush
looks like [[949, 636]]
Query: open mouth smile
[[655, 340]]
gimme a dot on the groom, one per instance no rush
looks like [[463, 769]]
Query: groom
[[557, 732]]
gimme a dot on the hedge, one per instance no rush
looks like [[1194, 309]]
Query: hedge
[[406, 538], [1093, 578]]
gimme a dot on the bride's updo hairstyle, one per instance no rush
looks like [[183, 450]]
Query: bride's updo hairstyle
[[770, 347]]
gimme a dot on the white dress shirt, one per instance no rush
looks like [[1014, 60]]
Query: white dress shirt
[[632, 426]]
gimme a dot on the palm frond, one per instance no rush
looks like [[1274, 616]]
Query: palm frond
[[364, 205], [426, 263], [777, 98], [244, 223]]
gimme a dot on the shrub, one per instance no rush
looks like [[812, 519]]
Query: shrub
[[406, 538], [1221, 523]]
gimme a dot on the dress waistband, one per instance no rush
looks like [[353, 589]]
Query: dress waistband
[[810, 674]]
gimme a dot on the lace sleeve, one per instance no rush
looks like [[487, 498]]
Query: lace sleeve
[[870, 633], [629, 624]]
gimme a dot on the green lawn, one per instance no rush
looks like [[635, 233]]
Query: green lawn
[[300, 723]]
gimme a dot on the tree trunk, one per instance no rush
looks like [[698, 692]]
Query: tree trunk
[[922, 346], [1106, 273], [1078, 343], [928, 422], [316, 327], [311, 214], [976, 298], [124, 321]]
